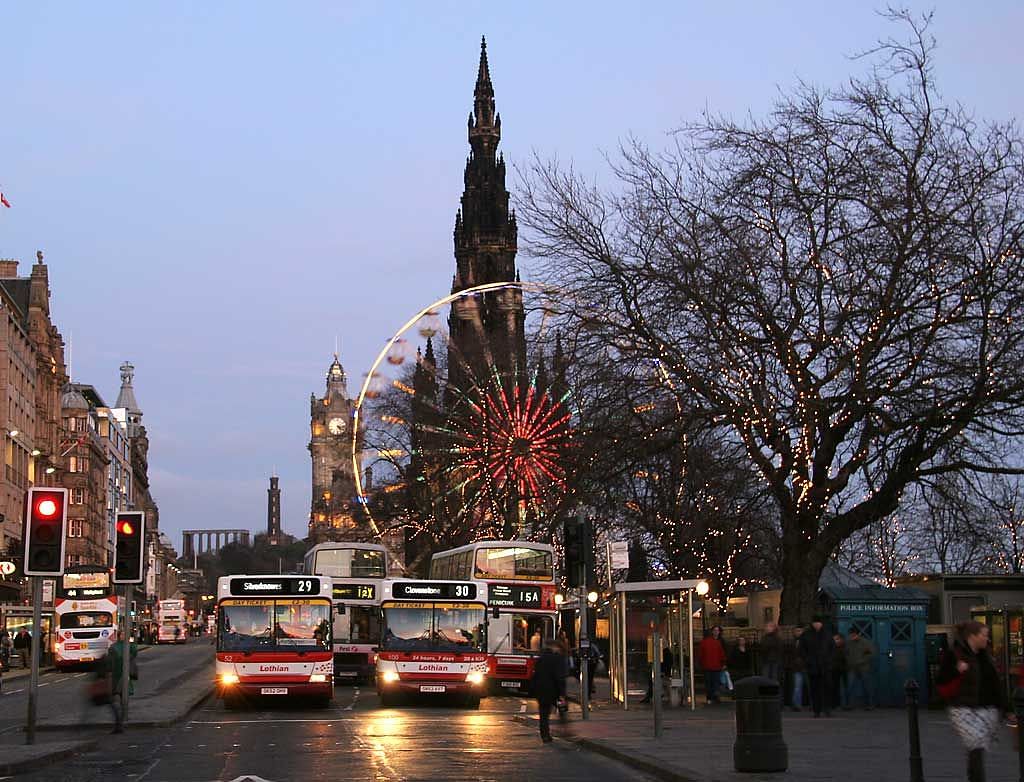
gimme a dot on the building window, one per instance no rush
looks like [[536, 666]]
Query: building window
[[78, 464], [78, 496], [76, 528]]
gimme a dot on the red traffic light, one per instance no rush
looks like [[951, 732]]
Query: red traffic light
[[125, 527], [46, 508]]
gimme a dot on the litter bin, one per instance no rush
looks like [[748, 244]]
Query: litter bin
[[759, 745]]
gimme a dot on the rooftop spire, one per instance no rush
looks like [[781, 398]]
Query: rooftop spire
[[484, 122], [126, 396]]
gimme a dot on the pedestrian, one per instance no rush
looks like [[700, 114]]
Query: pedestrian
[[741, 662], [816, 649], [837, 689], [970, 684], [23, 645], [114, 668], [6, 649], [797, 670], [593, 658], [769, 653], [859, 654], [667, 662], [566, 646], [711, 655], [548, 684]]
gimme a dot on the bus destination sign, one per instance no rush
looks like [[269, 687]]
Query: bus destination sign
[[437, 590], [85, 593], [514, 596], [354, 592], [275, 585]]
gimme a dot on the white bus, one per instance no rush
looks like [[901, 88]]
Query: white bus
[[172, 622], [357, 571], [86, 616], [274, 638], [434, 641], [517, 578]]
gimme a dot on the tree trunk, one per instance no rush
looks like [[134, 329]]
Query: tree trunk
[[801, 571]]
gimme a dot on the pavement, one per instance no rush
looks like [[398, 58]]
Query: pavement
[[173, 681], [697, 746]]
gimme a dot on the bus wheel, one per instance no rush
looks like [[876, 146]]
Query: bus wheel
[[232, 702], [388, 700], [473, 702]]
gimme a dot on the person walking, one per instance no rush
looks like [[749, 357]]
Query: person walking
[[114, 668], [741, 661], [6, 649], [970, 684], [797, 670], [711, 655], [23, 646], [859, 653], [816, 649], [548, 684], [837, 687], [769, 653]]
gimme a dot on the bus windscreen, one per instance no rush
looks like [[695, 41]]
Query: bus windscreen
[[435, 627], [268, 625]]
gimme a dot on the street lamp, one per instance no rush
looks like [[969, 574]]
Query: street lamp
[[559, 599], [703, 588], [592, 597]]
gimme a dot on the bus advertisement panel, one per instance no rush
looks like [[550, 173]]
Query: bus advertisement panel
[[86, 617], [434, 641], [517, 578], [274, 638], [172, 622], [357, 571]]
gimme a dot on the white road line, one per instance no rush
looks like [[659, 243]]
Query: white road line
[[148, 771]]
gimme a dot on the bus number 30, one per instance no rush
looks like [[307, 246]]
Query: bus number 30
[[462, 590]]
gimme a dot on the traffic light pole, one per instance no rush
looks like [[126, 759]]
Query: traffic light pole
[[35, 644], [584, 657], [126, 656]]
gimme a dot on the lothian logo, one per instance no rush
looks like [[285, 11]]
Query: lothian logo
[[274, 669]]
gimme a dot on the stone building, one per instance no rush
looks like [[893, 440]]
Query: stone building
[[32, 377], [333, 509], [82, 466]]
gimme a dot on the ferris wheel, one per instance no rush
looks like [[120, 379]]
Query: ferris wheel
[[465, 419]]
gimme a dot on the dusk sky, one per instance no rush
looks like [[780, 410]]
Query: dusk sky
[[222, 189]]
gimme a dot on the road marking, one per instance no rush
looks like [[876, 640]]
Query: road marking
[[148, 771], [45, 684]]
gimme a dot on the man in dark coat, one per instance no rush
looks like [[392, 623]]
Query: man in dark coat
[[816, 649], [548, 684], [23, 645]]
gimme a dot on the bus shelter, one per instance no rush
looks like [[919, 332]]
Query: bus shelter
[[637, 609]]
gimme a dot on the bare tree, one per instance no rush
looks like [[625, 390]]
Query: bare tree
[[840, 284]]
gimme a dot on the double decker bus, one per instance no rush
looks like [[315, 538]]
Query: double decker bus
[[171, 622], [517, 578], [86, 616], [274, 638], [434, 641], [356, 571]]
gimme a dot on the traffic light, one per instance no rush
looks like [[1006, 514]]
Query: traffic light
[[46, 512], [129, 547], [579, 552]]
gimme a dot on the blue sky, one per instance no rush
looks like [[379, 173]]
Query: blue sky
[[221, 189]]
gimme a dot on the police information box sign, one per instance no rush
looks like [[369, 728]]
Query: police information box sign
[[435, 590], [513, 596], [275, 585]]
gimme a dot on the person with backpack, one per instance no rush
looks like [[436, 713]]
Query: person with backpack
[[970, 684], [112, 670]]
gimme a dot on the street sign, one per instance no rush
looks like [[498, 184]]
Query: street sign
[[619, 551], [48, 591], [7, 568]]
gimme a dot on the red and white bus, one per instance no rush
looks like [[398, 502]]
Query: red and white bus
[[517, 578], [274, 638], [433, 641], [86, 616], [357, 571]]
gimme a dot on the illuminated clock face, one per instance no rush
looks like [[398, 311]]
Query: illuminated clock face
[[336, 425]]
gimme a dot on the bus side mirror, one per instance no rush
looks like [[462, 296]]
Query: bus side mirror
[[340, 609], [495, 612], [374, 648]]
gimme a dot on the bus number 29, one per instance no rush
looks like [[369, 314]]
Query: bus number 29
[[305, 585]]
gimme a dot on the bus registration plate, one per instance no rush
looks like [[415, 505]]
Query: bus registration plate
[[432, 688], [273, 690], [511, 684]]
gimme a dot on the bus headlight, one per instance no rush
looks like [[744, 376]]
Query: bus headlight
[[389, 677], [229, 678], [475, 677], [318, 678]]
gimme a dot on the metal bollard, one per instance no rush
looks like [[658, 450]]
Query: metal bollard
[[916, 769], [1018, 709]]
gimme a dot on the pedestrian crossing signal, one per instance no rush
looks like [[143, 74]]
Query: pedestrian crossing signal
[[129, 547], [46, 515]]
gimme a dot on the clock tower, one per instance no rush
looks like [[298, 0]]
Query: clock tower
[[332, 513]]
